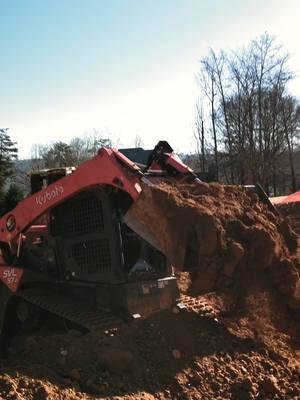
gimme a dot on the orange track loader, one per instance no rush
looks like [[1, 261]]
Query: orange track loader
[[73, 249]]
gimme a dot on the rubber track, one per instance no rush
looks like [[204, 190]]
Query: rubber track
[[89, 318]]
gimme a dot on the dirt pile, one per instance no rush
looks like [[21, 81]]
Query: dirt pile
[[224, 236], [186, 355]]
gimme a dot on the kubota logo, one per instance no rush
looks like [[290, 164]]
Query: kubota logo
[[49, 195]]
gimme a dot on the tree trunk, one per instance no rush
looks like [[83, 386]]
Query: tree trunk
[[202, 147], [213, 120], [290, 151]]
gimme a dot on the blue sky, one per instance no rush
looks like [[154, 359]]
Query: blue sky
[[124, 68]]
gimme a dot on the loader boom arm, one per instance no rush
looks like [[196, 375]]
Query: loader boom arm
[[108, 167]]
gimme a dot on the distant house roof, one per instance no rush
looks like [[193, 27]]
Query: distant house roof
[[277, 200], [292, 198], [137, 154]]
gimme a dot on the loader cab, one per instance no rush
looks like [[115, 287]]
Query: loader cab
[[93, 244]]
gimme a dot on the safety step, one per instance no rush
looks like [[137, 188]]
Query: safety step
[[65, 307]]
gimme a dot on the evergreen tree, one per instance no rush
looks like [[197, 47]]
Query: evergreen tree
[[12, 197], [8, 154]]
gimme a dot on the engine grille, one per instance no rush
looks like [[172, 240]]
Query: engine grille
[[77, 217], [91, 255]]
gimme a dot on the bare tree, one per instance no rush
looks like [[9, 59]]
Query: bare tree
[[290, 112], [246, 93], [138, 141], [207, 82], [200, 137]]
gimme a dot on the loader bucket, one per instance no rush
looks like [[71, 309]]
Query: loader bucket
[[149, 219], [131, 219]]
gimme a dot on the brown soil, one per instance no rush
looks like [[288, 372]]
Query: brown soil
[[173, 355], [239, 337], [224, 237]]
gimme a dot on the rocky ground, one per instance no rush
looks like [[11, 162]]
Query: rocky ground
[[188, 354], [237, 338]]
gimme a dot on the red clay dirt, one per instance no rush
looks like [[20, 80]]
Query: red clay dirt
[[238, 338], [223, 236]]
